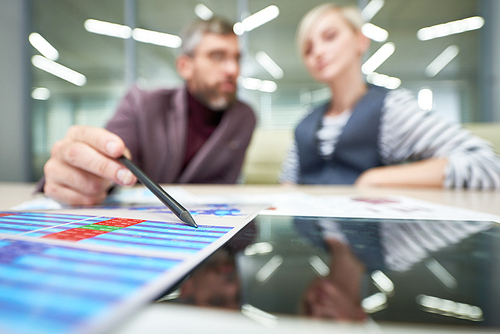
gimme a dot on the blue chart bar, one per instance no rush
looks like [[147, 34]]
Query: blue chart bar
[[22, 222], [47, 288], [158, 236], [55, 289]]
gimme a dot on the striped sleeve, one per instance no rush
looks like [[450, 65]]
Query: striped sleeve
[[408, 133], [290, 167]]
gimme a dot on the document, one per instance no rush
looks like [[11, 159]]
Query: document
[[82, 270]]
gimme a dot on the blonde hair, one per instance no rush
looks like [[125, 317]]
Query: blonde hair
[[351, 14]]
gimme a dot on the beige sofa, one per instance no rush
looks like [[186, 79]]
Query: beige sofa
[[268, 149]]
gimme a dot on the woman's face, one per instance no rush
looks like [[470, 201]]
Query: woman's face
[[333, 47]]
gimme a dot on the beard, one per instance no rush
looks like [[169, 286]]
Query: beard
[[213, 97]]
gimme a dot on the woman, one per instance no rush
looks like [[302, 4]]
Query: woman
[[367, 135]]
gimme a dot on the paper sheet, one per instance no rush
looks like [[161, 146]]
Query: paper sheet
[[397, 207], [297, 203], [80, 270]]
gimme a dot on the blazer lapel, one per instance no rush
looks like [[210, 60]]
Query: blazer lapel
[[173, 155], [202, 158]]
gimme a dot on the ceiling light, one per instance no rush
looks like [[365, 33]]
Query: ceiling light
[[378, 58], [259, 316], [203, 12], [374, 303], [434, 266], [371, 9], [382, 282], [257, 84], [44, 47], [107, 28], [450, 28], [450, 308], [256, 20], [425, 98], [59, 70], [374, 32], [258, 248], [269, 65], [383, 80], [40, 93], [157, 38], [238, 28], [442, 60], [269, 268], [319, 266]]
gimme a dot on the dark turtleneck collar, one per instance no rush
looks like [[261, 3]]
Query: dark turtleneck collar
[[202, 122], [201, 113]]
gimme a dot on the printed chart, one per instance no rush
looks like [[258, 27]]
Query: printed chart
[[116, 232], [54, 289], [65, 271]]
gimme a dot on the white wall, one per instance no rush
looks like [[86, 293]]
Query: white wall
[[490, 61], [15, 128]]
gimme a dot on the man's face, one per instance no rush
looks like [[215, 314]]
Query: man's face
[[212, 71]]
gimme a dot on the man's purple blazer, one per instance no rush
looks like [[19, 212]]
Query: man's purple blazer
[[153, 126]]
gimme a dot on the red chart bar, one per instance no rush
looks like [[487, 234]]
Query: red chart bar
[[120, 222], [75, 234], [86, 232]]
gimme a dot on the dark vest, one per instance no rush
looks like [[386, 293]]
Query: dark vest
[[356, 149]]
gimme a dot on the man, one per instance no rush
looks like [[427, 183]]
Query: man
[[194, 134]]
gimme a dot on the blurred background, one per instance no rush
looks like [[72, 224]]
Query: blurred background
[[62, 63]]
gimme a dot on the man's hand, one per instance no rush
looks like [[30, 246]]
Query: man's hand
[[82, 166]]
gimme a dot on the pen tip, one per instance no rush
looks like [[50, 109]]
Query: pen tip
[[187, 218]]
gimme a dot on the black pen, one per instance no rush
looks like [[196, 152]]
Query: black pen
[[165, 198]]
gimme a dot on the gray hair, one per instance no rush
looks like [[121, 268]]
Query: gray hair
[[193, 33], [351, 14]]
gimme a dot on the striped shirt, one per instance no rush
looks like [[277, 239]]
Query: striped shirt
[[408, 133]]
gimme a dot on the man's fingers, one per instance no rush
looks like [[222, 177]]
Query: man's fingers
[[85, 157], [69, 196], [102, 140], [76, 179]]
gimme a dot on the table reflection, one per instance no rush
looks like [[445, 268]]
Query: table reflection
[[351, 269], [337, 295]]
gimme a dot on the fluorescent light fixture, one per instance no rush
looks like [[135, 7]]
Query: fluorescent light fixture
[[107, 28], [258, 248], [374, 303], [157, 38], [203, 12], [450, 28], [140, 35], [238, 28], [269, 268], [383, 80], [382, 282], [442, 60], [450, 308], [374, 32], [40, 93], [44, 47], [378, 58], [59, 70], [257, 84], [371, 9], [256, 20], [171, 296], [425, 99], [262, 317], [434, 266], [319, 266], [269, 65]]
